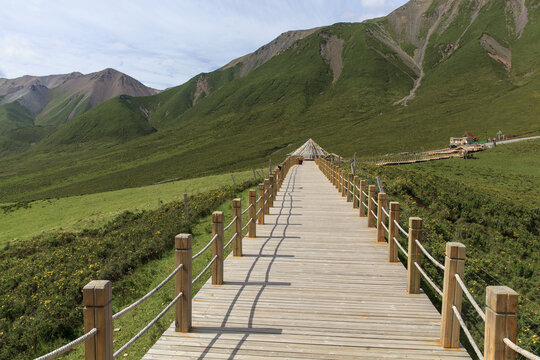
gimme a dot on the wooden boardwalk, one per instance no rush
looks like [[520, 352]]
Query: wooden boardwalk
[[314, 284]]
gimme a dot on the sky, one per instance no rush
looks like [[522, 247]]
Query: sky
[[160, 43]]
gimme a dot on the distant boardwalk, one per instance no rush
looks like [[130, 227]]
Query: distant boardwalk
[[314, 284]]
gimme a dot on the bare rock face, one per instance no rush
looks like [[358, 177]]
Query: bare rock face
[[201, 87], [34, 92], [496, 51], [519, 11], [268, 51], [101, 86], [331, 50]]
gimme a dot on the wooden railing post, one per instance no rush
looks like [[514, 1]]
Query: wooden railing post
[[182, 282], [501, 322], [362, 206], [261, 204], [371, 206], [252, 213], [266, 197], [217, 247], [275, 188], [350, 188], [237, 212], [271, 191], [97, 313], [335, 171], [393, 232], [454, 263], [356, 182], [415, 255], [343, 183], [381, 216]]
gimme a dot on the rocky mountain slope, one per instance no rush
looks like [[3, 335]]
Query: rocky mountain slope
[[429, 70], [45, 101]]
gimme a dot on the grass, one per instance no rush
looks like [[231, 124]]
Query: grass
[[244, 121], [146, 278], [76, 213], [509, 169], [489, 204], [43, 276]]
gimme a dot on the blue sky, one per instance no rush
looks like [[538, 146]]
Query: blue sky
[[160, 43]]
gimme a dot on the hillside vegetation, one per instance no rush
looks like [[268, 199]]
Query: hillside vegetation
[[495, 213], [42, 278], [24, 220], [428, 71]]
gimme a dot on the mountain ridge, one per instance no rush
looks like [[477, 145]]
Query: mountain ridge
[[197, 127]]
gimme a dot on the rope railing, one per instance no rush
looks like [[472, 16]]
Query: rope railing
[[148, 294], [453, 268], [428, 279], [103, 318], [384, 227], [68, 346], [147, 327], [204, 270], [520, 351], [467, 333], [247, 209], [469, 296], [249, 222], [401, 229], [428, 255], [400, 247], [230, 241], [205, 248], [230, 224]]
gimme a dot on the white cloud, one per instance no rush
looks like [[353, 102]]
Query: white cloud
[[161, 43]]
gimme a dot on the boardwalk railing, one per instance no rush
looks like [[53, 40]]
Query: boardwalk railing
[[97, 294], [500, 316]]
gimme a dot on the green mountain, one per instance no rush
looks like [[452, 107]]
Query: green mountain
[[37, 105], [430, 70]]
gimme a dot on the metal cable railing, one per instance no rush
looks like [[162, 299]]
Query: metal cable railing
[[366, 195], [374, 201], [428, 255], [204, 270], [205, 248], [230, 224], [469, 296], [365, 204], [148, 294], [148, 326], [522, 352], [357, 198], [384, 211], [467, 333], [68, 346], [428, 279], [374, 215], [257, 214]]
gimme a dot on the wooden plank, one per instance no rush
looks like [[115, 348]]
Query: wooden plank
[[313, 284]]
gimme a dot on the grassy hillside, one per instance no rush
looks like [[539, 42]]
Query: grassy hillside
[[511, 170], [243, 121], [490, 204], [13, 116], [41, 296], [22, 221]]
